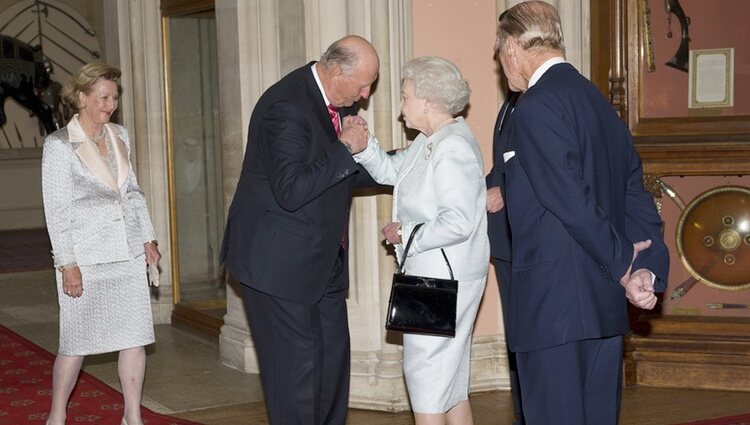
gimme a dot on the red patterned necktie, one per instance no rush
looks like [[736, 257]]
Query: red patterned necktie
[[333, 112]]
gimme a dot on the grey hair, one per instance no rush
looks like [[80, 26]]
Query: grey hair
[[340, 54], [438, 81], [535, 24]]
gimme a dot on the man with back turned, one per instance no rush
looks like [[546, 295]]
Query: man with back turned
[[586, 236]]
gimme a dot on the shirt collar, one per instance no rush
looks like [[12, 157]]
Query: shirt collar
[[543, 68], [320, 85]]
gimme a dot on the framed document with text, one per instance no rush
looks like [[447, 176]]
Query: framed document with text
[[711, 78], [678, 72]]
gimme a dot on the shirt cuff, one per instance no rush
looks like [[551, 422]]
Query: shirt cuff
[[369, 152]]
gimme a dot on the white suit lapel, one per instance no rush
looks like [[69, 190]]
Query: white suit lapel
[[121, 154]]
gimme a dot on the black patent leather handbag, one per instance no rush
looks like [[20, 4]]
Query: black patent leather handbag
[[420, 304]]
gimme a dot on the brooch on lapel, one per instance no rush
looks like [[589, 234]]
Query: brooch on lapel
[[429, 151]]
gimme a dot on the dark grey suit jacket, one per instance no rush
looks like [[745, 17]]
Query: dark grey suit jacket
[[292, 201]]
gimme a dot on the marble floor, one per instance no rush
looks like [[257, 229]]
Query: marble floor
[[186, 378], [184, 371]]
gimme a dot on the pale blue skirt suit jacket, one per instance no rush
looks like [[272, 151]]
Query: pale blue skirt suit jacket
[[439, 180]]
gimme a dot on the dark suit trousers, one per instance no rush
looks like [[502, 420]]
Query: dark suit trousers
[[578, 383], [502, 272], [303, 353]]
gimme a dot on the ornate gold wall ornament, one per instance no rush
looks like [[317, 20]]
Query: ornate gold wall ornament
[[712, 238], [648, 43]]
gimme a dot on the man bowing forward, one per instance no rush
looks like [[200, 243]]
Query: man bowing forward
[[285, 238]]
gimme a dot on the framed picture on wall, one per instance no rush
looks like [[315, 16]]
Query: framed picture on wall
[[680, 123]]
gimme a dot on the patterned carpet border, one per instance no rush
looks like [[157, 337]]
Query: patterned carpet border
[[728, 420], [26, 390]]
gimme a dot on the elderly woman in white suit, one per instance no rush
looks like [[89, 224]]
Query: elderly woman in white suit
[[102, 241], [438, 180]]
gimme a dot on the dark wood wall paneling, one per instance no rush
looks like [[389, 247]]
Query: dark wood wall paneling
[[186, 7], [672, 351], [668, 146]]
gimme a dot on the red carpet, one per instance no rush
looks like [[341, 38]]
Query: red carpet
[[26, 390], [25, 250], [729, 420]]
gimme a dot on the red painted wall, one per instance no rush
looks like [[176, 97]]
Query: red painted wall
[[713, 24], [464, 32]]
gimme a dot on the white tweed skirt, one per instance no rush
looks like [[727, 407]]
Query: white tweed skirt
[[114, 312], [438, 369]]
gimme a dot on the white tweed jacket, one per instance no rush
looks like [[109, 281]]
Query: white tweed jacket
[[92, 218], [439, 181]]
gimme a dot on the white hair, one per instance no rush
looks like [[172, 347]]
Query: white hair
[[438, 81]]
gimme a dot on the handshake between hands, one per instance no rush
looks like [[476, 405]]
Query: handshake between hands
[[354, 134], [638, 284]]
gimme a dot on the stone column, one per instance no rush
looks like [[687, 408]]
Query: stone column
[[577, 31], [248, 48], [137, 24], [377, 376]]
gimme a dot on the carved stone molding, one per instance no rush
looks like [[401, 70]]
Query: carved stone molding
[[379, 377]]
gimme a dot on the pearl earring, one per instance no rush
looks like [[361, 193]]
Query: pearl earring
[[425, 110]]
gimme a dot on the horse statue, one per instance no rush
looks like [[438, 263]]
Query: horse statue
[[23, 72]]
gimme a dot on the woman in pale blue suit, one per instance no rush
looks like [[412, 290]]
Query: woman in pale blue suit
[[102, 240], [438, 180]]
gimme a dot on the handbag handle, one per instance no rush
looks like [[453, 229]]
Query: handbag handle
[[408, 245]]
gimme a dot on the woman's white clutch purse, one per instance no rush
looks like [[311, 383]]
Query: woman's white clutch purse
[[153, 275]]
